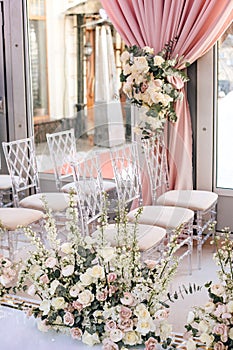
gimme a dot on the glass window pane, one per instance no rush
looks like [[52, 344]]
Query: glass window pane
[[225, 111]]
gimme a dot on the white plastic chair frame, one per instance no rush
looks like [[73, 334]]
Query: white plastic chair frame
[[128, 180], [203, 203], [89, 188]]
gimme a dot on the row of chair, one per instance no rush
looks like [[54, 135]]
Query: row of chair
[[159, 220]]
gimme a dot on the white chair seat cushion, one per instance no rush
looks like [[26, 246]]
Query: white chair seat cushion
[[56, 201], [13, 217], [107, 185], [167, 217], [191, 199], [148, 236], [5, 182]]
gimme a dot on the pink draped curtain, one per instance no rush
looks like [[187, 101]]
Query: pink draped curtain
[[197, 26]]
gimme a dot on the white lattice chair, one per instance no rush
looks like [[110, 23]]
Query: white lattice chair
[[128, 179], [203, 203], [62, 148], [22, 166]]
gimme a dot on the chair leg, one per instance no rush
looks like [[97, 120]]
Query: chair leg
[[199, 239]]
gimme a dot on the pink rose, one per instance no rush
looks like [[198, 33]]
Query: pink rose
[[110, 325], [128, 299], [76, 333], [177, 82], [44, 279], [126, 325], [221, 309], [111, 277], [50, 262], [151, 344], [222, 330], [109, 345], [101, 296], [112, 290], [68, 319], [161, 315], [219, 346], [125, 313], [77, 306]]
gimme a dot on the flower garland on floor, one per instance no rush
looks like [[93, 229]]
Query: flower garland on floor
[[213, 323], [152, 81], [95, 292]]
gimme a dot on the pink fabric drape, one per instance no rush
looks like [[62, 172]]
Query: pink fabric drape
[[197, 24]]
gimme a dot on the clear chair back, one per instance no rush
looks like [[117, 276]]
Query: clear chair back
[[21, 162], [62, 149], [156, 160], [89, 187], [127, 174]]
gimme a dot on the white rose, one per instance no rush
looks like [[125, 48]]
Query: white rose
[[165, 330], [190, 317], [230, 306], [66, 248], [45, 306], [125, 56], [145, 326], [230, 334], [90, 339], [50, 262], [141, 312], [107, 253], [86, 279], [85, 298], [209, 307], [203, 326], [148, 49], [116, 335], [67, 270], [53, 286], [207, 339], [217, 289], [74, 291], [140, 64], [158, 60], [131, 338], [41, 325], [58, 303], [96, 272], [127, 69], [191, 345], [31, 290]]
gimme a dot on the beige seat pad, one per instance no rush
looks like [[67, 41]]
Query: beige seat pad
[[5, 182], [108, 186], [56, 201], [166, 217], [13, 217], [191, 199], [148, 236]]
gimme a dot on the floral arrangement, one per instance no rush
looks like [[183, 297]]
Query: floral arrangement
[[95, 292], [8, 271], [152, 81], [213, 323]]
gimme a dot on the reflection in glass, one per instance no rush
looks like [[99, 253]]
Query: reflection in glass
[[225, 111]]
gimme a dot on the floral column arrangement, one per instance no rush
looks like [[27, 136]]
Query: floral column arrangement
[[152, 81]]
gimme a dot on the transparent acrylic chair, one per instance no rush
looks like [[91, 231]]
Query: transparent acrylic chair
[[62, 149], [89, 189], [22, 166], [203, 203], [128, 179]]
